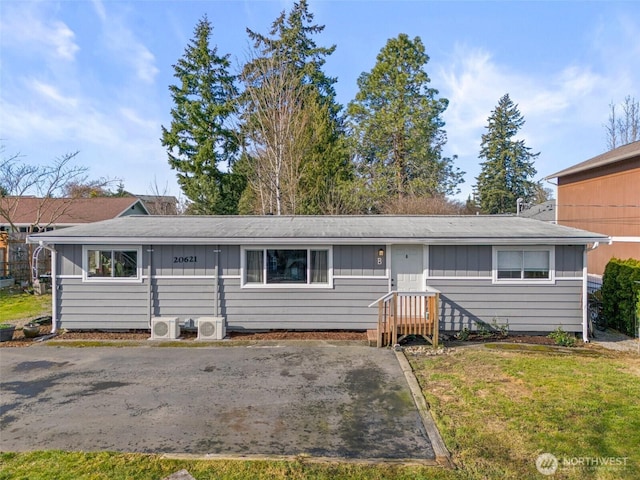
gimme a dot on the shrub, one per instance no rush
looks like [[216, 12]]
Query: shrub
[[621, 294], [562, 338]]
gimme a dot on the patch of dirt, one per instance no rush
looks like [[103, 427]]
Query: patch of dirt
[[335, 335], [451, 341], [139, 335]]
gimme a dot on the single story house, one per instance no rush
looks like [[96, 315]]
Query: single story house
[[318, 272]]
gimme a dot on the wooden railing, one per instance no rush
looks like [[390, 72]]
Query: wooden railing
[[408, 313]]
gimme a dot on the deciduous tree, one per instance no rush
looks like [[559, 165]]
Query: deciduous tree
[[624, 128], [290, 56]]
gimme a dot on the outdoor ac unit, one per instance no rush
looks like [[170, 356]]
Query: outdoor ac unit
[[165, 328], [211, 328]]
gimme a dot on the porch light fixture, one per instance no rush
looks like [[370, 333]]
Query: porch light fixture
[[381, 252]]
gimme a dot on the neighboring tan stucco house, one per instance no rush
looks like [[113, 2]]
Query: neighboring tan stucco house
[[602, 195]]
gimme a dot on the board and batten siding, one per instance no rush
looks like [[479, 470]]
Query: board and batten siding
[[359, 260], [460, 260], [469, 302]]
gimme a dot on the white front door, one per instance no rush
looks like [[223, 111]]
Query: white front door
[[407, 270]]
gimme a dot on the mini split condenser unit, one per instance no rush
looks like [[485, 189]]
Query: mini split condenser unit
[[165, 328], [211, 328]]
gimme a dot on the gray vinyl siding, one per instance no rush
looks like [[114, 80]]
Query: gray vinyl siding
[[358, 260], [527, 307], [89, 305], [569, 259], [460, 260], [464, 301], [345, 306], [476, 260], [69, 259], [119, 305], [183, 298]]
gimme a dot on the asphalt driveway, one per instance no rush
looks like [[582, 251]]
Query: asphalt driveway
[[319, 399]]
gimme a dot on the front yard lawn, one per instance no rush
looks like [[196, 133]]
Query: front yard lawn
[[23, 306]]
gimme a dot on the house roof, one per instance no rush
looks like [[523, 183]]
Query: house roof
[[66, 211], [619, 154], [545, 211], [247, 230]]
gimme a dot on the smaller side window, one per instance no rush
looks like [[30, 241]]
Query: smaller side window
[[523, 264], [102, 263]]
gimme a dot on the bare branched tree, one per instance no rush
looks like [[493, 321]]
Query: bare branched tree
[[625, 128], [18, 179], [275, 131], [424, 205]]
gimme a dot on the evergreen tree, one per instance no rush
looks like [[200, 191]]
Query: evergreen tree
[[397, 128], [290, 48], [200, 138], [507, 166]]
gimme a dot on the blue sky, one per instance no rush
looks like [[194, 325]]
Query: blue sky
[[93, 76]]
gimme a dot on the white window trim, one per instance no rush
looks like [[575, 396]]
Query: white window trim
[[264, 248], [524, 281], [85, 264]]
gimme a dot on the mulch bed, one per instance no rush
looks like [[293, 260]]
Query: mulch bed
[[19, 339]]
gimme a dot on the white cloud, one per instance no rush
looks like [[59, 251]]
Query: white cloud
[[554, 105], [27, 29], [51, 93], [120, 39]]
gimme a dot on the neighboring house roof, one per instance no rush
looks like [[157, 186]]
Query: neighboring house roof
[[619, 154], [160, 204], [545, 211], [264, 230], [68, 211]]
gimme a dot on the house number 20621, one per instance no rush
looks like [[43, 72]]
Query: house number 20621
[[189, 259]]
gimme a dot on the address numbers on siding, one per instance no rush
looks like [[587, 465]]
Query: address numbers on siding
[[189, 259]]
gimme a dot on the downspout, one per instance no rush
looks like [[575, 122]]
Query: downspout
[[216, 306], [149, 287], [54, 286], [585, 294]]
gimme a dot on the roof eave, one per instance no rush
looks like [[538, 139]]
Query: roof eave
[[61, 240]]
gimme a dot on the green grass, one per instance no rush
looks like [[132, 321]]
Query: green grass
[[20, 306], [497, 410]]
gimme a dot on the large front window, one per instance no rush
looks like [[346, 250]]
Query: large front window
[[523, 264], [286, 266], [106, 263]]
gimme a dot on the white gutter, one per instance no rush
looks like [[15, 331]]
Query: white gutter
[[54, 286]]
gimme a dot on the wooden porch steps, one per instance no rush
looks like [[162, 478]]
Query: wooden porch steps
[[372, 338], [406, 313]]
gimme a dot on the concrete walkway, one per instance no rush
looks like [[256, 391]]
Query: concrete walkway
[[350, 402], [614, 340]]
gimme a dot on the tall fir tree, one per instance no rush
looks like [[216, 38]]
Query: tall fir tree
[[507, 168], [290, 46], [397, 127], [200, 137]]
